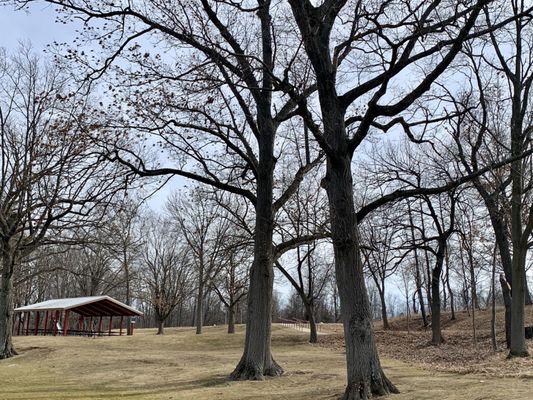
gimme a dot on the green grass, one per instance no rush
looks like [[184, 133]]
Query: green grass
[[182, 365]]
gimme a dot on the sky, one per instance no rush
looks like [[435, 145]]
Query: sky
[[36, 25]]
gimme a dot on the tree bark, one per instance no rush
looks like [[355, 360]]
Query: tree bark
[[452, 303], [518, 341], [418, 277], [199, 318], [436, 331], [310, 310], [493, 303], [6, 305], [384, 317], [231, 318], [160, 327], [365, 375], [519, 242], [257, 361], [506, 291]]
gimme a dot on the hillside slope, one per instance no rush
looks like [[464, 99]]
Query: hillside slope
[[462, 322]]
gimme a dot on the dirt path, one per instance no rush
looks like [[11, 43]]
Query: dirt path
[[182, 365]]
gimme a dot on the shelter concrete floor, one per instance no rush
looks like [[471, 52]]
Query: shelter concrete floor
[[182, 365]]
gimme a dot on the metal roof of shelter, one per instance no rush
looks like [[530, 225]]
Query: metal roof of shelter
[[93, 306]]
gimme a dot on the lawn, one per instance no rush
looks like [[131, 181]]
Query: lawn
[[182, 365]]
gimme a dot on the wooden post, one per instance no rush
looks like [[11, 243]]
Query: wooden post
[[45, 323], [80, 325], [100, 326], [37, 317], [121, 320], [91, 326], [65, 323], [110, 324]]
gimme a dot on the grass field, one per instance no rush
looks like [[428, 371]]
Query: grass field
[[182, 365]]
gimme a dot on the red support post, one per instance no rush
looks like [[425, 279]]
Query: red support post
[[121, 320], [45, 323], [37, 317], [80, 324], [110, 324], [91, 326], [100, 326], [27, 322], [65, 323]]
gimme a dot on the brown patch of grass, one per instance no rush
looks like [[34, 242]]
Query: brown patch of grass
[[459, 353], [182, 365]]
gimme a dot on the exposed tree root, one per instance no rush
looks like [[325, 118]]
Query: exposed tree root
[[247, 371], [8, 353], [365, 390]]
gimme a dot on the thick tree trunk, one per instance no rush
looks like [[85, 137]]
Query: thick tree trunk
[[6, 307], [528, 300], [518, 340], [231, 318], [257, 361], [519, 242], [365, 375]]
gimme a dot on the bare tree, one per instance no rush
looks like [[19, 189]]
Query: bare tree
[[52, 179], [216, 113], [501, 127], [394, 49], [202, 227], [167, 272], [381, 258]]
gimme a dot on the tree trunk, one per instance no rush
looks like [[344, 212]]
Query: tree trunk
[[436, 331], [310, 310], [257, 361], [6, 307], [520, 243], [450, 292], [420, 296], [231, 318], [528, 300], [418, 277], [365, 375], [493, 304], [384, 317], [160, 327], [506, 291], [128, 291], [518, 340], [199, 318]]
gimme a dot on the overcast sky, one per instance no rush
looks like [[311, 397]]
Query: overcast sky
[[36, 26]]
